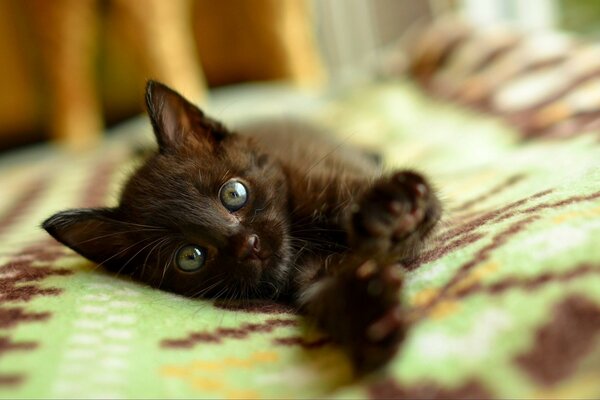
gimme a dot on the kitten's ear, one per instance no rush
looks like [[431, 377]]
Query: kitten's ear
[[175, 120], [95, 233]]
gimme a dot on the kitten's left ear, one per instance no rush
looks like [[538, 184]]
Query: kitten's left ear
[[98, 234], [175, 120]]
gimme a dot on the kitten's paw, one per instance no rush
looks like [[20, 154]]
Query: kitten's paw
[[359, 307], [395, 215], [377, 325]]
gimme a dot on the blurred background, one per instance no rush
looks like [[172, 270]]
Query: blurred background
[[71, 68]]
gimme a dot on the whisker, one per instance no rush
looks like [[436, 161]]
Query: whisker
[[120, 233], [158, 246], [166, 266], [103, 263], [135, 255]]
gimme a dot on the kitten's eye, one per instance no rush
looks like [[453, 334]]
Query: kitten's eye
[[233, 195], [190, 258]]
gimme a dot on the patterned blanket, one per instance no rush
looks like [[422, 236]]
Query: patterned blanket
[[505, 300]]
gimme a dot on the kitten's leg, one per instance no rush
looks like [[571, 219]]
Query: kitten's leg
[[355, 296], [357, 303]]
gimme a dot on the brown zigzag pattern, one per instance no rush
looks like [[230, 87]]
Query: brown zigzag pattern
[[495, 190], [563, 341], [254, 306], [442, 249], [530, 283], [390, 389], [18, 274], [464, 234], [219, 334], [42, 250], [19, 283], [493, 216], [302, 342], [10, 317], [96, 192], [7, 345], [561, 203], [20, 278], [483, 254], [23, 202], [10, 380], [500, 238], [480, 256]]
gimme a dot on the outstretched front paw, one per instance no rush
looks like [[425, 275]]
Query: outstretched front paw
[[360, 308], [394, 216]]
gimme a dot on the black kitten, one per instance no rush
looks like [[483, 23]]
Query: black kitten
[[279, 212]]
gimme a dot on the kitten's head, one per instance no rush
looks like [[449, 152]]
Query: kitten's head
[[205, 215]]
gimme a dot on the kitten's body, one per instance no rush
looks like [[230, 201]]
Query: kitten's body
[[323, 176], [321, 226]]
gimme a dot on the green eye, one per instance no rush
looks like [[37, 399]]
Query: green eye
[[190, 258], [233, 195]]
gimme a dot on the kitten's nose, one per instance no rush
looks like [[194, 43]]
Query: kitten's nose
[[249, 248], [254, 243]]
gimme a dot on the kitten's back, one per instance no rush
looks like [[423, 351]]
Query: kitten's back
[[309, 147]]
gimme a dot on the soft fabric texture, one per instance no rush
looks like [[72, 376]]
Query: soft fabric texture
[[505, 301], [545, 83]]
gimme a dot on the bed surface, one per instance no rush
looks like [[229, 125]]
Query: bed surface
[[506, 298]]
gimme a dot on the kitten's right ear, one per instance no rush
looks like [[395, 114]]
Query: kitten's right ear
[[175, 120], [95, 233]]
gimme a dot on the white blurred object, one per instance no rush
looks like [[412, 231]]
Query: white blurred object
[[528, 14], [536, 87], [354, 34]]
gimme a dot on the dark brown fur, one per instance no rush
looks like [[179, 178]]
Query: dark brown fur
[[331, 226]]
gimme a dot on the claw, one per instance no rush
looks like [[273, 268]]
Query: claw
[[405, 226], [366, 270], [394, 276], [420, 189], [395, 207], [385, 325]]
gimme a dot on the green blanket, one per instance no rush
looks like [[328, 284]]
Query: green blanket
[[506, 299]]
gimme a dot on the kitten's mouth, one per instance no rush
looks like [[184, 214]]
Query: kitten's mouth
[[257, 260], [254, 263], [260, 260]]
